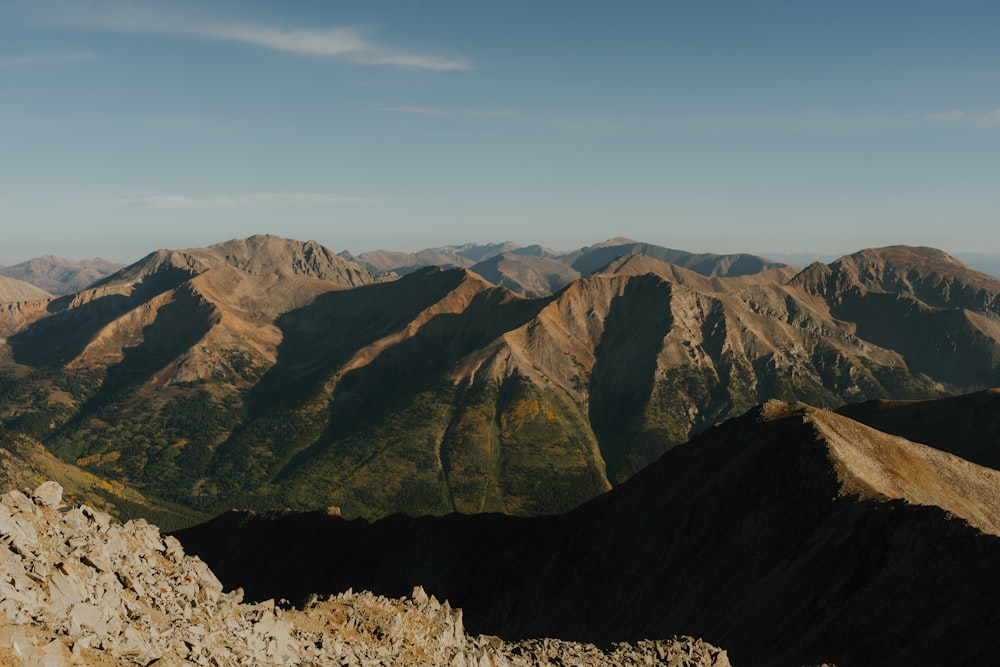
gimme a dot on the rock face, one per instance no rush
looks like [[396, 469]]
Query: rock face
[[76, 588]]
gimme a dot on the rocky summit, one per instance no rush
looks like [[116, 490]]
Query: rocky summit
[[77, 588]]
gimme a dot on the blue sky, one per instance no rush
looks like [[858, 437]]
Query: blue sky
[[707, 126]]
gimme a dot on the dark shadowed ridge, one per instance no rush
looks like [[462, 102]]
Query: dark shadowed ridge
[[790, 535]]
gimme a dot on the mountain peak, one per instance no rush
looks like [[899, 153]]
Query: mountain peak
[[616, 241], [262, 254]]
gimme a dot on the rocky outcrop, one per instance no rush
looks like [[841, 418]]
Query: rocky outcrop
[[76, 588], [370, 629]]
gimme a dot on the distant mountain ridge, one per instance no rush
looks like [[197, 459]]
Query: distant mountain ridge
[[13, 290], [535, 271], [59, 276], [270, 372], [978, 261]]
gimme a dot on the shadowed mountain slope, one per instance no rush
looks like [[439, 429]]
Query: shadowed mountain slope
[[791, 534], [56, 275]]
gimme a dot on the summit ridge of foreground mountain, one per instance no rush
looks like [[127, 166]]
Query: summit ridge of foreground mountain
[[268, 372], [790, 535]]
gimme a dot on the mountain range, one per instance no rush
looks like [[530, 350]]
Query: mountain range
[[269, 372], [535, 271], [621, 443]]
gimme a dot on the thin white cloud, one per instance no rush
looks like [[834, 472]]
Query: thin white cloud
[[330, 42], [230, 201], [342, 42], [436, 63], [437, 111], [47, 59]]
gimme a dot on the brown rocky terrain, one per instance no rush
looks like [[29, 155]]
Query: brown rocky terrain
[[77, 588], [59, 276], [790, 535]]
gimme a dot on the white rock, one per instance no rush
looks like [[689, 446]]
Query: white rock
[[48, 494]]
